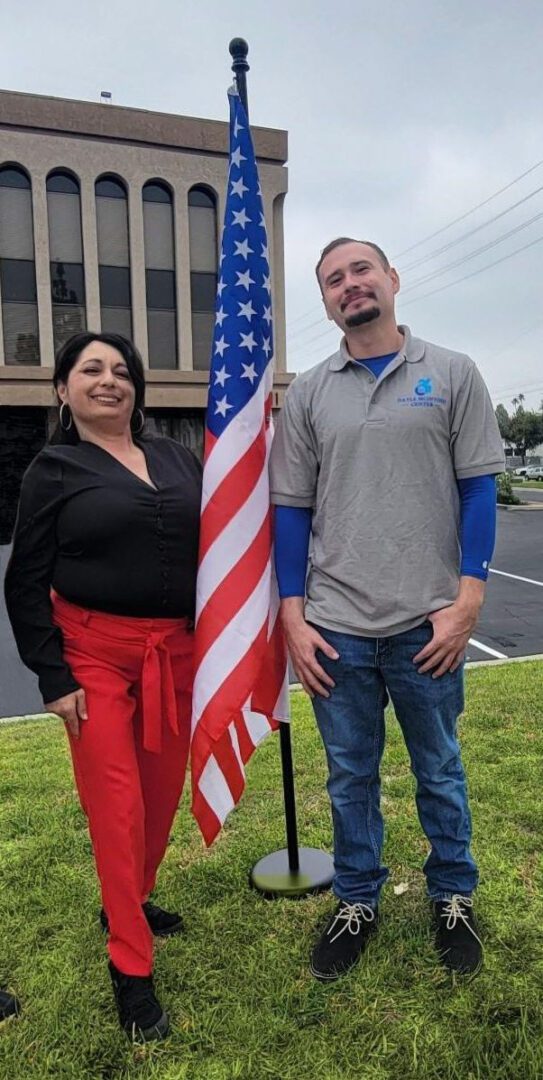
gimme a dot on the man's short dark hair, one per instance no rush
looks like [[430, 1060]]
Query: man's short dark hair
[[350, 240]]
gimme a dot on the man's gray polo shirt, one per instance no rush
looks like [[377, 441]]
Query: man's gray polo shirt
[[378, 461]]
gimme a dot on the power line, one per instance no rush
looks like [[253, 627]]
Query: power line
[[471, 232], [438, 232], [467, 214], [482, 270], [473, 254]]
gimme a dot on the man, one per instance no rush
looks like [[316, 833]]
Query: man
[[385, 454]]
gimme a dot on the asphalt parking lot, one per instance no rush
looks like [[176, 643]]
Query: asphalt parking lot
[[511, 623]]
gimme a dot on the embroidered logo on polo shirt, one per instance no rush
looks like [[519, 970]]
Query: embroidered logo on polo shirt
[[422, 396], [423, 387]]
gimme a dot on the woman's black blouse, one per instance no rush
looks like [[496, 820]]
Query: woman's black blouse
[[104, 539]]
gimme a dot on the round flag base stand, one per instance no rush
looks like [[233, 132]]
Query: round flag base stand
[[273, 877]]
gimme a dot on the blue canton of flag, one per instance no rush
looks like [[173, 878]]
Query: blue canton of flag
[[242, 341]]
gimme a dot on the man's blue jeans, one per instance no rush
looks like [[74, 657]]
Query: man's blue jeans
[[351, 722]]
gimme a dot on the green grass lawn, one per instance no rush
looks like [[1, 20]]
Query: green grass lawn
[[242, 1002], [532, 485]]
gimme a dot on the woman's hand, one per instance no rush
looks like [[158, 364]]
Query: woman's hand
[[72, 708]]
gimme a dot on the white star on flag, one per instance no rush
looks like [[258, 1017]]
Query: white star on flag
[[267, 316], [221, 375], [242, 248], [247, 310], [266, 346], [247, 341], [237, 128], [266, 283], [264, 254], [220, 316], [237, 157], [249, 373], [220, 346], [239, 217], [263, 221], [238, 187], [221, 285], [222, 406], [245, 279]]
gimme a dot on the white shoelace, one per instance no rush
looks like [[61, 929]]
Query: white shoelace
[[454, 910], [351, 916]]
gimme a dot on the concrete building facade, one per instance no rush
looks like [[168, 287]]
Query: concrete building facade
[[110, 218]]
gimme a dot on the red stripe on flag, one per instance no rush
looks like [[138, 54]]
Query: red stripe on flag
[[233, 591], [232, 492], [226, 702]]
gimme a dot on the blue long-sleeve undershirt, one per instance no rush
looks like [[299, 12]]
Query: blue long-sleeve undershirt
[[477, 535]]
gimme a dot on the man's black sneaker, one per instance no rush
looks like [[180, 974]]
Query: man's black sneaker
[[457, 935], [162, 923], [343, 940], [9, 1006], [140, 1013]]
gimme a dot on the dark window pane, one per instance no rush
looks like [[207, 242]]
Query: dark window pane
[[114, 286], [200, 197], [18, 278], [161, 327], [156, 193], [203, 291], [66, 322], [116, 321], [160, 289], [10, 177], [21, 342], [202, 337], [63, 182], [67, 283], [112, 189]]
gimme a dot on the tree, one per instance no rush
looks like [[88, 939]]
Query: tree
[[523, 430], [504, 423]]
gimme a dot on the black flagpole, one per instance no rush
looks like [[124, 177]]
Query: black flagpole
[[292, 871]]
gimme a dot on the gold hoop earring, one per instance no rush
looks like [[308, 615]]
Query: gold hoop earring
[[62, 417]]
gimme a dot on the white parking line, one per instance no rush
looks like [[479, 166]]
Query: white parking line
[[517, 578], [487, 649]]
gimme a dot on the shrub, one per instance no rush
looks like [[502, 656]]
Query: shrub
[[504, 491]]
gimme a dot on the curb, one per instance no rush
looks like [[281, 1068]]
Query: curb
[[298, 688], [523, 506]]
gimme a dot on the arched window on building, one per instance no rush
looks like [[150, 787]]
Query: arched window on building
[[203, 272], [17, 268], [66, 255], [113, 256], [160, 275]]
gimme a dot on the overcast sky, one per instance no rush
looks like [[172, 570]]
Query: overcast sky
[[402, 116]]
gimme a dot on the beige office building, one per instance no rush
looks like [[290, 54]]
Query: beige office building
[[110, 219]]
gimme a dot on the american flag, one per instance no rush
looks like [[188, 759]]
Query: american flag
[[241, 683]]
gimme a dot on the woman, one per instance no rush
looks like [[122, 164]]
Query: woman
[[100, 591]]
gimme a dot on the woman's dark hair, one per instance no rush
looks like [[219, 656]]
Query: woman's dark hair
[[69, 354]]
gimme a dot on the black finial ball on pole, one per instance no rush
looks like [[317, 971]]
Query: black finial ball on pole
[[239, 49]]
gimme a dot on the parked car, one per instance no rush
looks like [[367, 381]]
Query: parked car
[[535, 473], [520, 472]]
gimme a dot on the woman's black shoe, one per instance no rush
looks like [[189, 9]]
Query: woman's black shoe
[[141, 1015], [9, 1006], [162, 923]]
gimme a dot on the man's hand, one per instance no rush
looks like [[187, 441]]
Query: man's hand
[[303, 641], [72, 709], [452, 630]]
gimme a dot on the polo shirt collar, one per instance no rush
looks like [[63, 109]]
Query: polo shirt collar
[[412, 351]]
